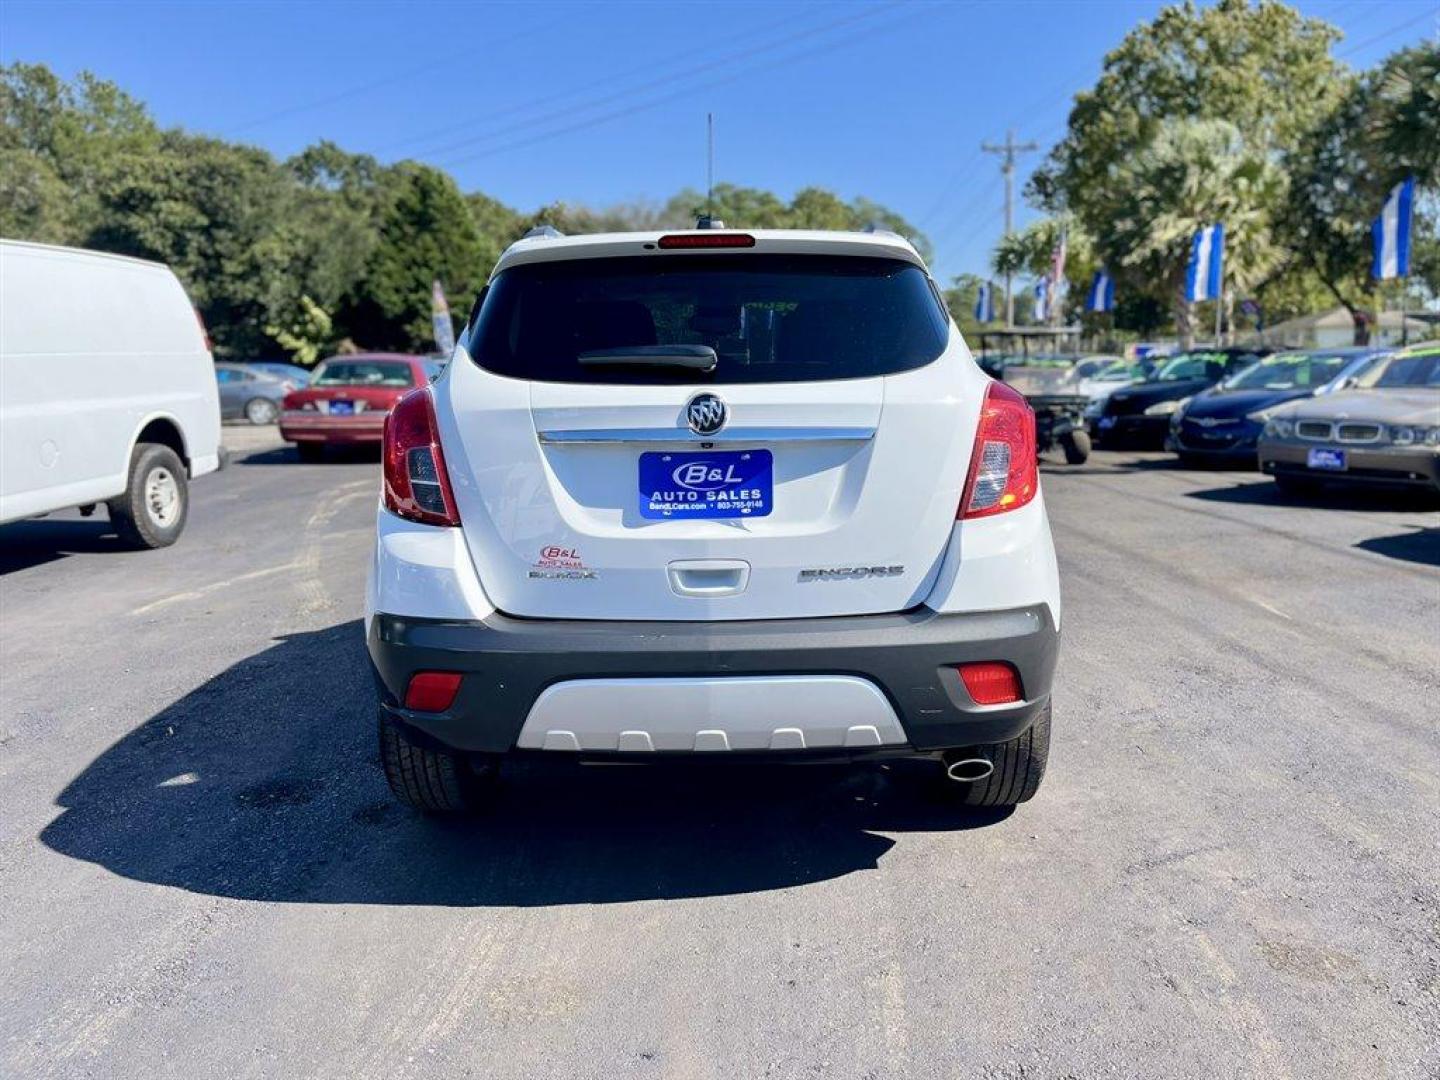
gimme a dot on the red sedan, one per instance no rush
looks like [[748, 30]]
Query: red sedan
[[348, 399]]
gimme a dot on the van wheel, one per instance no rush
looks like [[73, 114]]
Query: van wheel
[[1019, 766], [1076, 446], [310, 452], [432, 781], [260, 411], [151, 513]]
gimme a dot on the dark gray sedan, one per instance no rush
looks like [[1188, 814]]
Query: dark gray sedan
[[1384, 433], [248, 393]]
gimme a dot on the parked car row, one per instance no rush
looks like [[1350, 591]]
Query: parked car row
[[1307, 417], [1223, 424]]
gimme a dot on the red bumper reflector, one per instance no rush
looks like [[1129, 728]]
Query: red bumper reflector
[[707, 240], [991, 682], [432, 691]]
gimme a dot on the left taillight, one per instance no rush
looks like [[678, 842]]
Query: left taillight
[[416, 483], [1004, 466]]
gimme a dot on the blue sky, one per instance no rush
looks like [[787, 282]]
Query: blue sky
[[597, 103]]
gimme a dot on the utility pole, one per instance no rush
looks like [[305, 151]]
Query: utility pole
[[1007, 154]]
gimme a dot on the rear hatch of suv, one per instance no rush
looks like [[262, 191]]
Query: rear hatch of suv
[[604, 470]]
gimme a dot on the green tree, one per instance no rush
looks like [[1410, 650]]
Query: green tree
[[1031, 253], [1194, 173], [308, 335], [221, 215], [499, 226], [427, 233], [59, 143], [811, 208], [1260, 69], [960, 299], [1386, 127], [34, 201]]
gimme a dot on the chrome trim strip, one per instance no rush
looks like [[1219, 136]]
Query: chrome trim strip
[[687, 438]]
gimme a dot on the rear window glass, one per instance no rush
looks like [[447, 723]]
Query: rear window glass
[[362, 373], [769, 317], [1288, 371], [1421, 370]]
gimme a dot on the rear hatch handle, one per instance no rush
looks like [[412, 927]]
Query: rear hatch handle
[[708, 578]]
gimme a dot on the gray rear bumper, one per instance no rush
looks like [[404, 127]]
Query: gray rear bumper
[[910, 655]]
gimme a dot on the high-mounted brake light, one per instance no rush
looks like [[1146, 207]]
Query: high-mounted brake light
[[1004, 469], [707, 240], [416, 483]]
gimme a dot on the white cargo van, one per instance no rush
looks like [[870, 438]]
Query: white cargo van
[[107, 390]]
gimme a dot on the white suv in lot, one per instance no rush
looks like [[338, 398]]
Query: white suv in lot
[[737, 494]]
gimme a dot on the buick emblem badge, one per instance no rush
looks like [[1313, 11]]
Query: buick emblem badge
[[706, 414]]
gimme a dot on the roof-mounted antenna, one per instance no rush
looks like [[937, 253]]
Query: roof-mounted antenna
[[707, 219]]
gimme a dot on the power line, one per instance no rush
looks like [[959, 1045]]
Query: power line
[[962, 214], [356, 91], [582, 125], [966, 170], [686, 62], [1353, 49]]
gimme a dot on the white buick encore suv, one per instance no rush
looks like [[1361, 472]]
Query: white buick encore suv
[[737, 494]]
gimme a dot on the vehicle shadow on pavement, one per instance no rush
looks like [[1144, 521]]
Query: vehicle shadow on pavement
[[1112, 463], [262, 784], [24, 544], [334, 455], [1420, 545], [1263, 492]]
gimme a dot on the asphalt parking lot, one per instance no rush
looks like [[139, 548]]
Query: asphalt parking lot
[[1230, 871]]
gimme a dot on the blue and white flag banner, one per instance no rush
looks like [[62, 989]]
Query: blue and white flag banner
[[1207, 264], [1042, 300], [1102, 293], [1392, 233], [985, 303]]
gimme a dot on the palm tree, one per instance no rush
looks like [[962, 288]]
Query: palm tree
[[1192, 174]]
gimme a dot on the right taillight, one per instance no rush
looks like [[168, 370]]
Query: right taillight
[[416, 483], [1004, 469]]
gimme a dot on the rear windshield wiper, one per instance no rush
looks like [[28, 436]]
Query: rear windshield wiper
[[687, 357]]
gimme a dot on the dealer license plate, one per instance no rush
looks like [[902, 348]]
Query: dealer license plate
[[1322, 457], [708, 484]]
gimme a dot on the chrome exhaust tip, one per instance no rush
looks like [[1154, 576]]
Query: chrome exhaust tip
[[969, 770]]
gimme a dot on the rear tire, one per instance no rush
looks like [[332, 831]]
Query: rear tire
[[152, 511], [1019, 768], [1076, 446], [310, 452], [430, 780], [260, 411]]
